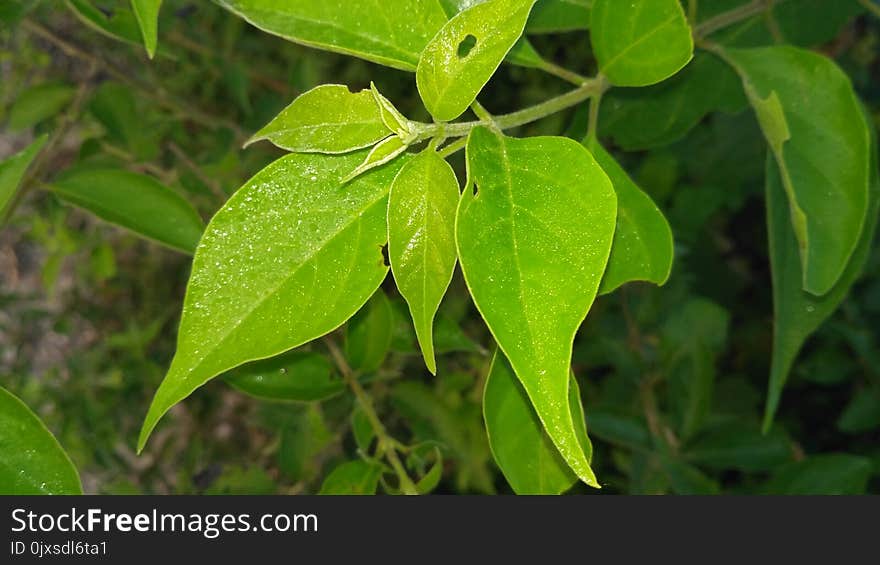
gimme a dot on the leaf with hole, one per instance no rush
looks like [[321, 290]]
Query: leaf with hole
[[642, 248], [31, 460], [290, 257], [388, 32], [533, 244], [368, 334], [819, 137], [640, 43], [299, 376], [421, 240], [136, 202], [464, 55], [526, 455], [147, 14], [12, 171], [327, 119]]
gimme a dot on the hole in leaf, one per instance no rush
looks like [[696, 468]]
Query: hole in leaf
[[476, 189], [464, 48], [385, 260]]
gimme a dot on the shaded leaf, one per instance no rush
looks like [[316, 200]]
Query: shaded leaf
[[368, 334], [819, 136], [830, 474], [353, 477], [293, 376], [37, 104], [526, 455], [642, 249], [136, 202], [12, 171]]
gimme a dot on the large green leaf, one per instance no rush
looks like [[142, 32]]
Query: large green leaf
[[421, 240], [327, 119], [39, 103], [291, 256], [12, 170], [640, 43], [526, 455], [642, 248], [740, 445], [389, 32], [533, 245], [31, 460], [797, 313], [464, 55], [299, 376], [644, 118], [819, 136], [147, 14], [133, 201]]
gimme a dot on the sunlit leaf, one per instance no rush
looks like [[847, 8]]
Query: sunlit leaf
[[533, 245], [290, 257], [147, 14]]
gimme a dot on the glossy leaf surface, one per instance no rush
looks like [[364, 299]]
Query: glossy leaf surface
[[147, 14], [533, 245], [31, 460], [421, 240], [319, 244]]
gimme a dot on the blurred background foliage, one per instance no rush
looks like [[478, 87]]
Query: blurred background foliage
[[673, 379]]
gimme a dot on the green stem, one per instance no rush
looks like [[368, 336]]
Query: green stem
[[731, 17], [693, 8], [871, 7], [386, 445], [563, 73], [593, 123]]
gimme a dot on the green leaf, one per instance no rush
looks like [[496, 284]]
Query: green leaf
[[353, 477], [797, 313], [299, 376], [362, 429], [552, 16], [383, 152], [862, 413], [390, 32], [640, 43], [290, 257], [739, 445], [819, 136], [391, 116], [12, 170], [526, 455], [147, 14], [368, 334], [133, 201], [326, 119], [421, 240], [644, 118], [37, 104], [464, 55], [642, 248], [31, 460], [113, 105], [533, 244], [118, 24], [829, 474]]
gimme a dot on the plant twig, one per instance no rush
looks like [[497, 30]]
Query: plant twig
[[736, 15], [386, 445], [871, 7]]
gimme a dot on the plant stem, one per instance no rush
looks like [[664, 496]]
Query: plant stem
[[871, 7], [386, 444], [593, 123], [563, 73], [453, 147], [520, 117], [731, 17], [693, 8]]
